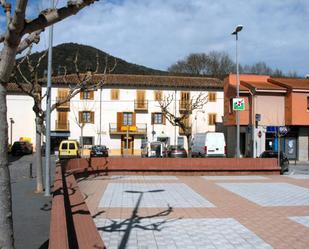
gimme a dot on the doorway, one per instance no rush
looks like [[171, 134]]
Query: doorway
[[127, 145]]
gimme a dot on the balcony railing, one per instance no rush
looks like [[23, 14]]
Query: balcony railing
[[65, 105], [141, 105], [62, 126], [138, 129]]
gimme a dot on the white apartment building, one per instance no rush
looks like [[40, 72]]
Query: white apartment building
[[125, 112], [21, 118]]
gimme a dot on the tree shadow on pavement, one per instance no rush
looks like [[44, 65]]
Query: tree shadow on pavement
[[135, 221]]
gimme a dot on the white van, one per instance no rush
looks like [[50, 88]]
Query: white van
[[208, 144]]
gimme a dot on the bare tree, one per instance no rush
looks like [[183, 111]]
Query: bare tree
[[216, 64], [182, 120], [31, 87], [20, 32]]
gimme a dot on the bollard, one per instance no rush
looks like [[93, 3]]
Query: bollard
[[30, 170]]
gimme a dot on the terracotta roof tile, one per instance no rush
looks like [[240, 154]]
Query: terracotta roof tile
[[145, 81], [262, 85], [291, 83]]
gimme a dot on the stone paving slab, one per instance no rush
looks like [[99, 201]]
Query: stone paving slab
[[249, 177], [269, 225], [304, 220], [153, 195], [298, 176], [270, 194], [213, 233]]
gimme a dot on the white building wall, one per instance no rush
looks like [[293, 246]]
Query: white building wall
[[126, 104], [19, 107]]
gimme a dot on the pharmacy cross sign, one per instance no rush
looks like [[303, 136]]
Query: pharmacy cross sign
[[238, 104]]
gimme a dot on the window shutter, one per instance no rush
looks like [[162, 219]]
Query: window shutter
[[152, 118], [134, 119], [119, 120], [81, 94], [92, 117], [91, 95], [163, 119], [80, 114]]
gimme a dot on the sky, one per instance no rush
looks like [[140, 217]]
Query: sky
[[158, 33]]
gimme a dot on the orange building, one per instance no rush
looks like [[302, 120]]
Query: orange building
[[269, 103]]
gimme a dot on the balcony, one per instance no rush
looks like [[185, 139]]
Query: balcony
[[138, 129], [62, 126], [64, 106], [141, 105]]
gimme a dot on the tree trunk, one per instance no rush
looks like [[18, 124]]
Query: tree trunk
[[6, 222], [38, 154], [189, 144]]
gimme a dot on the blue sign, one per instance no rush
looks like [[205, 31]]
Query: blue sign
[[277, 129]]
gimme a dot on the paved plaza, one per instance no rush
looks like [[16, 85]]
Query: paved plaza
[[217, 212]]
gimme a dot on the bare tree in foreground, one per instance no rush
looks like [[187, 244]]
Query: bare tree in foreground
[[31, 87], [20, 32], [182, 119]]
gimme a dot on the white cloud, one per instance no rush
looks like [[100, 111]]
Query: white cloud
[[158, 33]]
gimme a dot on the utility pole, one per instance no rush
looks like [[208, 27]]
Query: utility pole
[[48, 109], [100, 135]]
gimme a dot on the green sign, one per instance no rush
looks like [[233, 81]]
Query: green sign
[[238, 104]]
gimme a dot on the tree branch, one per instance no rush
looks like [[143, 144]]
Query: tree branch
[[34, 37], [51, 16]]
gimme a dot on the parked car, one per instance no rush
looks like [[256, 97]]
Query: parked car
[[284, 161], [99, 151], [208, 144], [68, 149], [21, 148], [176, 151]]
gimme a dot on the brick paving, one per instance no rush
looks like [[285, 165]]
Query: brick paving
[[233, 212]]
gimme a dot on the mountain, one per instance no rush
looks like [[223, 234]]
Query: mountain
[[64, 55]]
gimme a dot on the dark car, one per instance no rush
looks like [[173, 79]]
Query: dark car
[[99, 151], [176, 151], [21, 148], [284, 161]]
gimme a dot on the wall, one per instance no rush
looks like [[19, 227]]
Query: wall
[[126, 103], [271, 108], [303, 137], [19, 107], [297, 110]]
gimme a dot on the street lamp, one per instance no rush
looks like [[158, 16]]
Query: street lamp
[[11, 135], [237, 30]]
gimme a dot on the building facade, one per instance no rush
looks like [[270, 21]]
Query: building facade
[[125, 113], [276, 111]]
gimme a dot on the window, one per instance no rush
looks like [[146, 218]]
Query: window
[[157, 118], [72, 146], [86, 117], [115, 94], [87, 95], [212, 118], [212, 96], [308, 103], [158, 95], [64, 146], [127, 118], [184, 100], [180, 141], [140, 99], [87, 140]]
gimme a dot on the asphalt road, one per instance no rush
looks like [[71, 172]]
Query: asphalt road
[[31, 211]]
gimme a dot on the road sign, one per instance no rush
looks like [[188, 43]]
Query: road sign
[[283, 130], [259, 134], [258, 117], [238, 104]]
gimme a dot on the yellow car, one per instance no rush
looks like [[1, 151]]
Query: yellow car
[[68, 149]]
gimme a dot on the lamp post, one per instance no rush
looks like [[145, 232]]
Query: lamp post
[[237, 30], [11, 134]]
